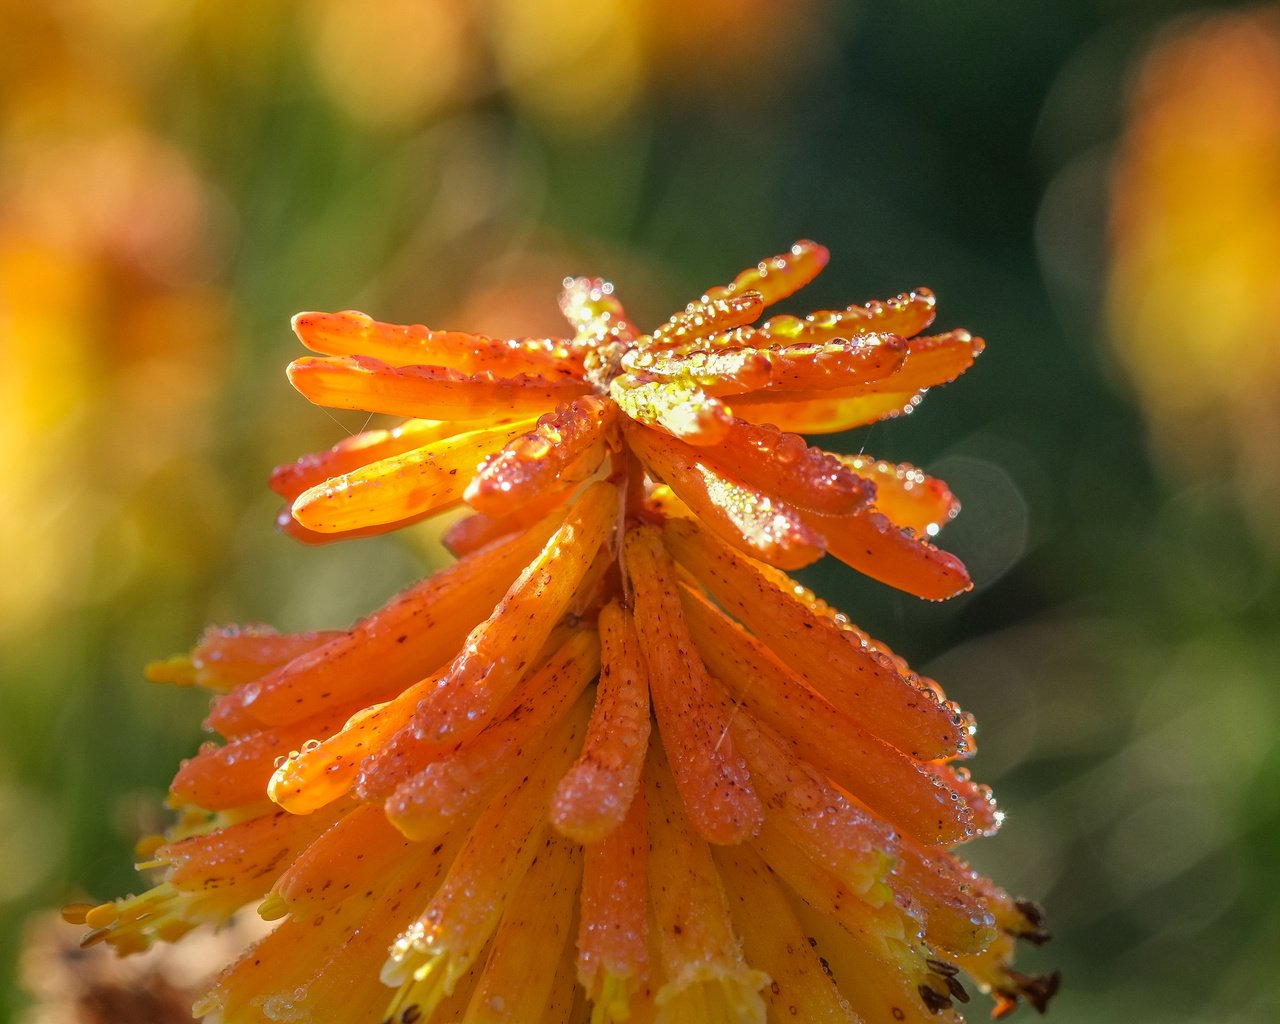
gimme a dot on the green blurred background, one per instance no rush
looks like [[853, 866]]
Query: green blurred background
[[1093, 186]]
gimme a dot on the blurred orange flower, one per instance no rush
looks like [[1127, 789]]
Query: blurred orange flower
[[471, 775], [1195, 230], [111, 323], [579, 67]]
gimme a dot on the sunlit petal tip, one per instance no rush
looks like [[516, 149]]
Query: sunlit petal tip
[[869, 542], [319, 331], [178, 670]]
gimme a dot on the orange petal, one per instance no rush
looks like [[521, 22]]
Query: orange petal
[[904, 315], [236, 774], [537, 461], [497, 653], [962, 720], [284, 960], [830, 365], [317, 961], [773, 940], [358, 382], [434, 952], [729, 371], [426, 805], [408, 638], [765, 458], [400, 754], [869, 542], [520, 970], [701, 956], [358, 849], [712, 777], [833, 412], [403, 486], [903, 790], [911, 499], [851, 674], [292, 478], [351, 333], [613, 932], [700, 319], [567, 1000], [778, 276], [294, 530], [933, 360], [321, 772], [703, 347], [227, 656], [987, 816], [473, 532], [749, 519], [832, 831], [230, 866], [346, 972], [592, 799]]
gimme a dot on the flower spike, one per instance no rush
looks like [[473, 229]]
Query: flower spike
[[614, 765]]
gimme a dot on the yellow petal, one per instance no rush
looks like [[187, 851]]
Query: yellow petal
[[401, 486], [430, 957], [518, 976], [708, 980], [774, 940], [680, 407]]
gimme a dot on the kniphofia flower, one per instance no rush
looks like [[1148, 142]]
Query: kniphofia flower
[[614, 764]]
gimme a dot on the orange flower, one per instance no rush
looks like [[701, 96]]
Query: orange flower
[[616, 715], [1195, 222]]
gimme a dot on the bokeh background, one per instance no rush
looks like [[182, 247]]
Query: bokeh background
[[1092, 186]]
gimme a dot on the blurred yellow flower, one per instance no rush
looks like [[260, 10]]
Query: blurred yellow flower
[[1195, 229], [616, 715], [579, 67], [111, 326]]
